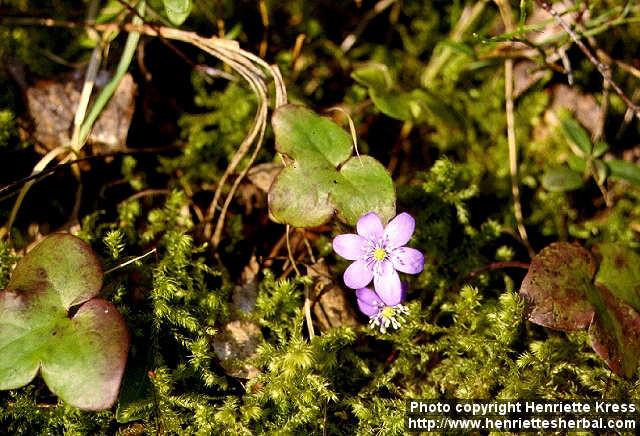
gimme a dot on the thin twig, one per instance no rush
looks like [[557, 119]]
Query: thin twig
[[497, 265], [351, 38], [566, 63], [309, 249], [264, 17], [130, 261], [505, 11], [290, 252], [628, 115], [491, 267], [603, 69], [146, 193], [36, 176], [247, 65], [307, 300]]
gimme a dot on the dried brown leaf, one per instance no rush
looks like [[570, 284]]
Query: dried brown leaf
[[330, 302]]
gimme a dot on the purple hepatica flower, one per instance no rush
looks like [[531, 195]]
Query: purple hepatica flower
[[382, 312], [379, 253]]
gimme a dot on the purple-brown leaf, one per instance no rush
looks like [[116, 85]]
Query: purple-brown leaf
[[615, 334], [81, 357], [555, 287]]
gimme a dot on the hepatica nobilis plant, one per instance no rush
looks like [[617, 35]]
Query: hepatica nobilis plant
[[379, 253], [53, 323]]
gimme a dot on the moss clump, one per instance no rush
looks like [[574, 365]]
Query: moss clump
[[466, 334]]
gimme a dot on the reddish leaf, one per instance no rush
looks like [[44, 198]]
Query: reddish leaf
[[556, 287], [80, 357], [615, 334]]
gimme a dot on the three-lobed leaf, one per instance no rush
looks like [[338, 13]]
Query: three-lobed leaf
[[81, 357], [324, 178], [565, 292]]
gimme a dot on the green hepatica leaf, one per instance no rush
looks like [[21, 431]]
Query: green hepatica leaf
[[405, 106], [556, 287], [177, 10], [324, 178], [81, 357], [416, 105]]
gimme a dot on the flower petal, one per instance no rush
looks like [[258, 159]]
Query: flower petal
[[368, 301], [349, 246], [370, 226], [407, 260], [357, 275], [399, 230], [387, 284]]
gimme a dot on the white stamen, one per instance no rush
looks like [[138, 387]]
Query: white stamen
[[383, 319]]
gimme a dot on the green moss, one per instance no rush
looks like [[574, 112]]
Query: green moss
[[465, 334]]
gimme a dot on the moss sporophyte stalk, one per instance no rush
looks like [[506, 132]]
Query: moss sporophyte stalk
[[379, 253]]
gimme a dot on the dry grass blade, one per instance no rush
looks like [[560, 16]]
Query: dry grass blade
[[505, 11], [250, 67], [38, 168]]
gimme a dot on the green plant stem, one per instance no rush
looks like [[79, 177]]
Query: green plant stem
[[108, 91], [469, 16]]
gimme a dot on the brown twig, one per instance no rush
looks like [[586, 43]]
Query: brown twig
[[505, 11], [603, 69], [35, 177], [491, 267], [130, 261], [496, 265], [351, 38], [307, 300], [146, 193], [264, 18]]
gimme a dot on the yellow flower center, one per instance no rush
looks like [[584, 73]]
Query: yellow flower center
[[388, 312], [379, 254]]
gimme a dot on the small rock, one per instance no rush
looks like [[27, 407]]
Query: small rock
[[52, 105], [237, 342], [245, 295]]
